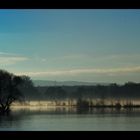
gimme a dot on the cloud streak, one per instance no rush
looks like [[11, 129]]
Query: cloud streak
[[10, 58], [112, 71], [118, 60]]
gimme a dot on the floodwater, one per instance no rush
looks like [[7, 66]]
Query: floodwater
[[70, 119]]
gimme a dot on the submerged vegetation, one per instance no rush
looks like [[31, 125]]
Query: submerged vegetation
[[21, 88], [111, 95]]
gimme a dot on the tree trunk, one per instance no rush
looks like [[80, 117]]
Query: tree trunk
[[4, 109]]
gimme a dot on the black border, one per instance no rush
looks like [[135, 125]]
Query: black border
[[69, 4], [70, 135]]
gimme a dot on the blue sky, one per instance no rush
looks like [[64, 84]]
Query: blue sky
[[79, 45]]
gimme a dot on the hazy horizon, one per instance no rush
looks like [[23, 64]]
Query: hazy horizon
[[72, 82], [71, 45]]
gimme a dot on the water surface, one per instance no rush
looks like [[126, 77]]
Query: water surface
[[71, 119]]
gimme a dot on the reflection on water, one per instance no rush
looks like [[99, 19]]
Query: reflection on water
[[72, 110], [70, 118]]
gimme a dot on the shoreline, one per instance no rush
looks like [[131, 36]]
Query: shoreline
[[75, 106]]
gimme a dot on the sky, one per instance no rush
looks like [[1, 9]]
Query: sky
[[93, 45]]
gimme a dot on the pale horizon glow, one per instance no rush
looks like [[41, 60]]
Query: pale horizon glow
[[117, 71]]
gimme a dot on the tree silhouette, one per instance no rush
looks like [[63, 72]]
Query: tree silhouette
[[82, 103], [54, 93], [28, 90], [9, 91]]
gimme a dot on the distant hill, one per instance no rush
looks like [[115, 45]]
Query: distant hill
[[63, 83]]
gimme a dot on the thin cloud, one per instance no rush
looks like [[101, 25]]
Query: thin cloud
[[10, 58], [5, 53], [113, 71], [118, 59]]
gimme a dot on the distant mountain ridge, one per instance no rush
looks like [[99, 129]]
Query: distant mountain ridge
[[63, 83]]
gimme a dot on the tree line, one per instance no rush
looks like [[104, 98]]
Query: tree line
[[21, 88], [129, 90]]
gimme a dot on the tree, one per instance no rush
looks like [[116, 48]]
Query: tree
[[9, 91], [82, 103], [28, 90], [54, 93]]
